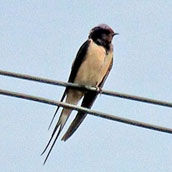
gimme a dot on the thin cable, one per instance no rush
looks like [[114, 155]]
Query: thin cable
[[106, 92], [92, 112]]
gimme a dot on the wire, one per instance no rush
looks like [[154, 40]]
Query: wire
[[92, 112], [106, 92]]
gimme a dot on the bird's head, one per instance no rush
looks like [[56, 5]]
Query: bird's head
[[102, 35]]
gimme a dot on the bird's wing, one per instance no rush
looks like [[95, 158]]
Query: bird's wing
[[87, 102], [80, 57], [107, 73]]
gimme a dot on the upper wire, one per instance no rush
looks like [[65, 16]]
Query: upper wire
[[73, 85]]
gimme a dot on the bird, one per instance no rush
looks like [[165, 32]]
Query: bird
[[91, 67]]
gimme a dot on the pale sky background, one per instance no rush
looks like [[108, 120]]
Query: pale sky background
[[41, 38]]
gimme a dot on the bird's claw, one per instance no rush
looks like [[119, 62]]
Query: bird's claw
[[99, 89]]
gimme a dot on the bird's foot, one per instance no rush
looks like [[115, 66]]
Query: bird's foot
[[99, 89]]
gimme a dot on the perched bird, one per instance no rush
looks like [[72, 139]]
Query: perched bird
[[91, 67]]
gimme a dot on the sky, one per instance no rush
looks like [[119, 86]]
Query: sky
[[41, 38]]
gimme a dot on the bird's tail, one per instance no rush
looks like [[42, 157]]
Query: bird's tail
[[87, 102], [75, 124], [73, 97], [60, 124], [64, 94]]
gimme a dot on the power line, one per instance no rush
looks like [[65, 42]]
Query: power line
[[73, 85], [92, 112]]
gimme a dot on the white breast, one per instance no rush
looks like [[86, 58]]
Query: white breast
[[94, 67]]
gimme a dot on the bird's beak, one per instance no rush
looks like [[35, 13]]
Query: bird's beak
[[115, 34]]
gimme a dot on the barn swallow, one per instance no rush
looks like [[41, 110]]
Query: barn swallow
[[91, 67]]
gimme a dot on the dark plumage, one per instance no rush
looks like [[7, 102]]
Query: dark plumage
[[91, 67]]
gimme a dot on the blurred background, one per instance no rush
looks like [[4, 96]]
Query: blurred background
[[41, 38]]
